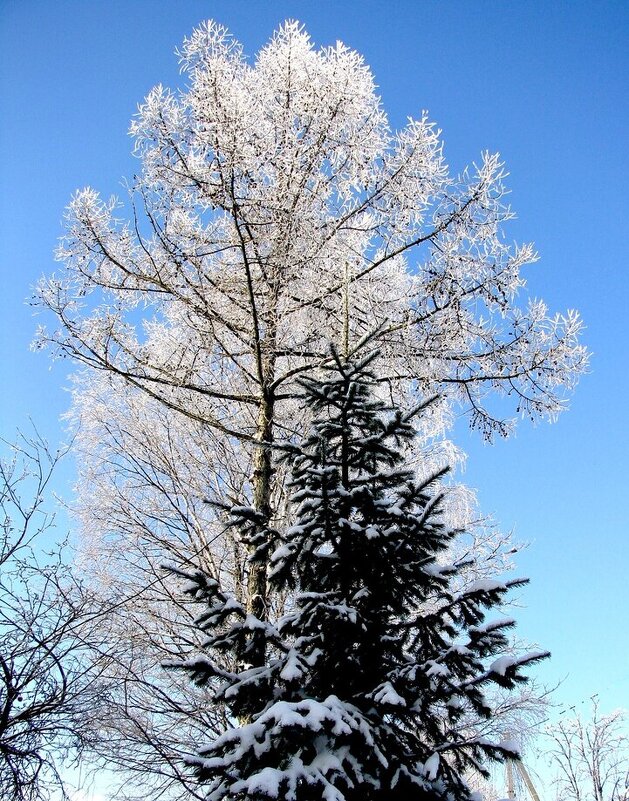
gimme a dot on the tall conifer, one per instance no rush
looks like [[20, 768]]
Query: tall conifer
[[375, 671]]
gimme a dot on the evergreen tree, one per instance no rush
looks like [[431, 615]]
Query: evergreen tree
[[376, 670]]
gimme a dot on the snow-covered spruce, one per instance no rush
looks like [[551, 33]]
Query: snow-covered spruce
[[371, 675]]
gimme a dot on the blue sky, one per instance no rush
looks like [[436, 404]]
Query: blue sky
[[543, 83]]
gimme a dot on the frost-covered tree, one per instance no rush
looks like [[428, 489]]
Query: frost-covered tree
[[590, 757], [152, 721], [375, 672], [49, 674], [275, 210]]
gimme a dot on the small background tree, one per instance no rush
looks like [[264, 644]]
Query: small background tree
[[591, 756], [49, 666]]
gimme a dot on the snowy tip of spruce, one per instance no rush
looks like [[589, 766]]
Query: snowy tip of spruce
[[493, 625], [292, 670], [501, 665], [510, 745], [431, 767], [386, 694]]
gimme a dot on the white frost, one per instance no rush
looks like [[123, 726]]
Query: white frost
[[386, 694], [431, 767]]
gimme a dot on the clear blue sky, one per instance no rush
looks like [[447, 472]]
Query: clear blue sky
[[543, 83]]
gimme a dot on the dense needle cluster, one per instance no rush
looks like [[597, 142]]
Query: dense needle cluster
[[378, 665]]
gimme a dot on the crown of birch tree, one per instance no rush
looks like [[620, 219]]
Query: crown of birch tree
[[276, 210]]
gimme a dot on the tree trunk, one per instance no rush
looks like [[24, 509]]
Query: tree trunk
[[257, 590], [262, 478]]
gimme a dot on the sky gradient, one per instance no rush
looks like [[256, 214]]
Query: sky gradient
[[544, 84]]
